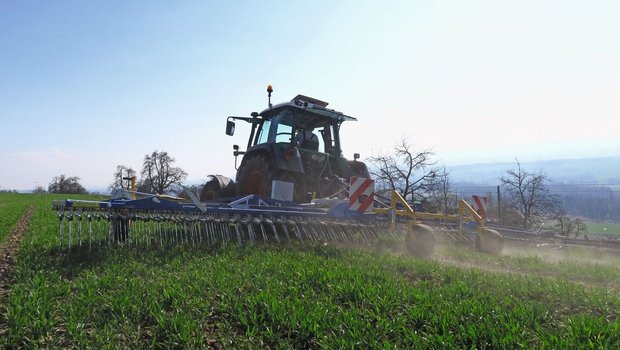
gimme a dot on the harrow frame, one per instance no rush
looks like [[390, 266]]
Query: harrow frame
[[160, 219]]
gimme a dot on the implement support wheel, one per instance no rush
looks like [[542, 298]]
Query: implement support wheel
[[420, 240], [489, 241]]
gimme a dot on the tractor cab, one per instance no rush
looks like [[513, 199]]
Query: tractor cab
[[301, 125]]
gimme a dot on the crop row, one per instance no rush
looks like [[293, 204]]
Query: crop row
[[12, 206]]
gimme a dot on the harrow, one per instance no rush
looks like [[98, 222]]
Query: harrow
[[164, 221]]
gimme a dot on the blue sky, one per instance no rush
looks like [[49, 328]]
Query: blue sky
[[85, 86]]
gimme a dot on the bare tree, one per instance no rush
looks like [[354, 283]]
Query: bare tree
[[566, 225], [440, 191], [39, 189], [121, 172], [159, 174], [529, 194], [405, 170], [67, 185]]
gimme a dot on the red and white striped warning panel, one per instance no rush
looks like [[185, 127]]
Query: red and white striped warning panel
[[361, 194], [480, 205]]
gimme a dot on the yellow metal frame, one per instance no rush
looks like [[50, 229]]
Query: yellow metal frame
[[409, 212]]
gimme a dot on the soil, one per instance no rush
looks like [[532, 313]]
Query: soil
[[8, 251]]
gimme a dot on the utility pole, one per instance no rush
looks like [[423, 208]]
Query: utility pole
[[499, 205]]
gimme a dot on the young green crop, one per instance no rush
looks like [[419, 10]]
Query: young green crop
[[297, 296], [12, 206], [604, 228]]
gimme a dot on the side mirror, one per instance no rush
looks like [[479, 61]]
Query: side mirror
[[356, 156], [230, 128]]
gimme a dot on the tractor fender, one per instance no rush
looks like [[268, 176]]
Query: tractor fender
[[358, 169], [283, 156]]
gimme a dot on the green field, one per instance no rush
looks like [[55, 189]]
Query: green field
[[603, 228], [12, 206], [305, 296]]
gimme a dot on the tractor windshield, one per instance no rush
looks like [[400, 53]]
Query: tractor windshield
[[307, 131]]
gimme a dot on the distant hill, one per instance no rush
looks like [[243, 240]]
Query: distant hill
[[574, 171]]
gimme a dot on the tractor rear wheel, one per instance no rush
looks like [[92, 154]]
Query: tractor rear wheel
[[420, 240], [254, 176]]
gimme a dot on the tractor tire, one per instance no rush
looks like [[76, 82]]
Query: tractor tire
[[254, 176], [490, 242], [420, 240]]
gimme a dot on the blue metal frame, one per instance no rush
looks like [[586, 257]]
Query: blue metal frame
[[250, 205]]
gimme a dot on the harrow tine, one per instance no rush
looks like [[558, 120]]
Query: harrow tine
[[79, 218], [140, 225], [225, 231], [282, 223], [211, 229], [109, 218], [257, 222], [60, 215], [214, 230], [309, 230], [270, 223], [193, 228], [217, 229], [346, 232], [70, 222], [245, 223], [327, 234], [175, 225], [233, 222], [207, 225], [290, 223], [224, 228], [147, 219], [90, 230]]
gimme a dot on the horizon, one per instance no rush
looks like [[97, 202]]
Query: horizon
[[458, 181], [89, 86]]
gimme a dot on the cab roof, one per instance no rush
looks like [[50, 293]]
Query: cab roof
[[309, 104]]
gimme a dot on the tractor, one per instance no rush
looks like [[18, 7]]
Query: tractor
[[295, 145]]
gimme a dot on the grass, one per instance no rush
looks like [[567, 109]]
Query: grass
[[297, 296], [12, 206], [603, 228]]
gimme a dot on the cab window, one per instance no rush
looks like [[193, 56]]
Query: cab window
[[284, 133], [263, 134]]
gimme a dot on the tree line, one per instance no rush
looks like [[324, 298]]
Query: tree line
[[158, 175], [528, 199]]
